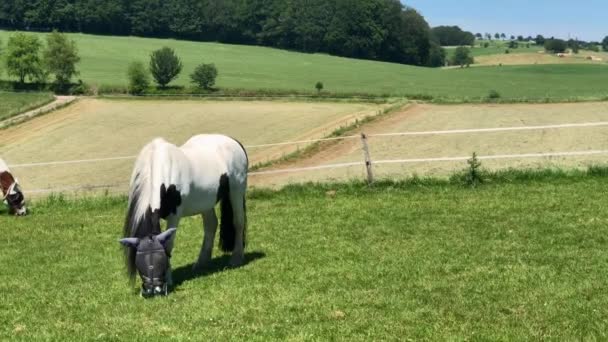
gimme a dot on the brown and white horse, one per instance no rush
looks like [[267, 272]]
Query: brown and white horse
[[11, 191]]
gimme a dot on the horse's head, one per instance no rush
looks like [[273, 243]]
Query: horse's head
[[12, 194], [151, 261]]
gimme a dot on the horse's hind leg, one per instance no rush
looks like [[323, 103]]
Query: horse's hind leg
[[210, 227], [237, 200]]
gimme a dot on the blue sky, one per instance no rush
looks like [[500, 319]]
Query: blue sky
[[587, 19]]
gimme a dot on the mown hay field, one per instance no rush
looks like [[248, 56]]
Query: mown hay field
[[425, 118], [97, 129]]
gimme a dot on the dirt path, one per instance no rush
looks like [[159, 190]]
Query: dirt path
[[60, 101], [335, 149]]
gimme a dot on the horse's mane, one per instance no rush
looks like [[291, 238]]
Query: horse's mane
[[152, 168]]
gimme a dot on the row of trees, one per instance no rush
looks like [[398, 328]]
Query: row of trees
[[540, 40], [165, 66], [26, 57], [452, 36], [502, 36], [371, 29], [560, 45]]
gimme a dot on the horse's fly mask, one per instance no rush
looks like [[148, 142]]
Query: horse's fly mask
[[152, 261]]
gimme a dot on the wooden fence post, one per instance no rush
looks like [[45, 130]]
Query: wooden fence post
[[368, 159]]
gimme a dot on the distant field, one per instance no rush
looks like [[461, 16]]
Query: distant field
[[105, 60], [15, 103], [422, 118], [514, 261], [497, 49], [540, 58], [93, 129]]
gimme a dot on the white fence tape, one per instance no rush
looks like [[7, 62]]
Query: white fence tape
[[497, 129], [431, 160], [344, 165], [67, 162]]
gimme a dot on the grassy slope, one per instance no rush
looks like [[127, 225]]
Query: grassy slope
[[15, 103], [105, 59], [503, 262]]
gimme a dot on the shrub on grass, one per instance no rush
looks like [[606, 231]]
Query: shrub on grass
[[204, 76], [319, 87], [139, 79], [493, 95]]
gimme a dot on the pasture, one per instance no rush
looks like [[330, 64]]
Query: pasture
[[425, 260], [425, 118], [94, 128], [105, 59], [16, 103]]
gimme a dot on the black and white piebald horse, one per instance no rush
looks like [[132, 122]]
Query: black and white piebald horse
[[170, 182], [11, 191]]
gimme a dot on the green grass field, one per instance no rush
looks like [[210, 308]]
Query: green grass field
[[105, 60], [510, 260], [15, 103]]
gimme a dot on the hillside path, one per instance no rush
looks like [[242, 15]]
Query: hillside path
[[59, 102]]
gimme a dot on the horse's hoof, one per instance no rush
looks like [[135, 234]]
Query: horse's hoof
[[236, 261]]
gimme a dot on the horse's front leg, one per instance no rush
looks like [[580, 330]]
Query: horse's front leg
[[172, 222], [209, 227]]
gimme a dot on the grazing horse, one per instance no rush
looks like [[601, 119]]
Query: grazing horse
[[170, 182], [11, 191]]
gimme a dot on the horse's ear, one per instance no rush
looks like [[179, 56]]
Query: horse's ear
[[130, 242], [166, 235]]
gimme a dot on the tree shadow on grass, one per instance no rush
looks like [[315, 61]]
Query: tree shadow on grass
[[186, 273]]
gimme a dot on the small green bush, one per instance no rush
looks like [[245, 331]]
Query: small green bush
[[462, 56], [474, 177], [204, 76], [493, 95], [139, 79]]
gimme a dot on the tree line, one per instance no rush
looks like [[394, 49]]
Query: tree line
[[26, 57], [370, 29], [452, 36]]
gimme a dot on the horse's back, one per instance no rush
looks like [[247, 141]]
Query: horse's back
[[226, 152]]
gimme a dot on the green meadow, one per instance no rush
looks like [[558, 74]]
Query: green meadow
[[519, 258], [105, 60]]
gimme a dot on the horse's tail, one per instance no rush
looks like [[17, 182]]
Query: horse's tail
[[227, 228]]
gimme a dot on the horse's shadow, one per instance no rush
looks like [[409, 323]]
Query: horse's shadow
[[185, 273]]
